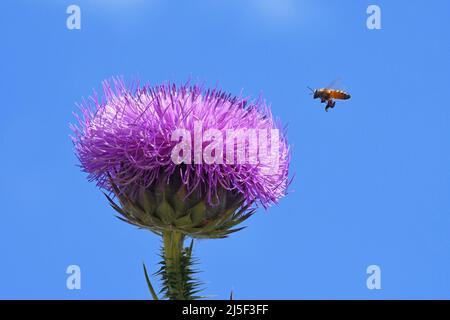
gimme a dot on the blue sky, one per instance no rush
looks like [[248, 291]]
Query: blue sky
[[372, 175]]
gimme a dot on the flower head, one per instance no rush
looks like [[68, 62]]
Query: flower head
[[125, 143]]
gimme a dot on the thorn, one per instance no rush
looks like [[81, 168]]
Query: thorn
[[150, 287]]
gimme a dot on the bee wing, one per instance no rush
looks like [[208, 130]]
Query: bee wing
[[336, 91], [335, 84]]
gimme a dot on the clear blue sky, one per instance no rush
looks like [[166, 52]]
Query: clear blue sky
[[372, 176]]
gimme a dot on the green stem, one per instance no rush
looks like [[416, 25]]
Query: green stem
[[174, 269]]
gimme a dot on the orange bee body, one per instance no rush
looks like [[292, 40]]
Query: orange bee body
[[326, 94], [329, 95]]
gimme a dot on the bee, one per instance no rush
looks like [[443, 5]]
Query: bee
[[329, 96]]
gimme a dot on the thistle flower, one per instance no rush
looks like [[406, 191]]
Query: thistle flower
[[125, 142]]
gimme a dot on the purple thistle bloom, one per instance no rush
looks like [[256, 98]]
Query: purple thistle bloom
[[126, 138]]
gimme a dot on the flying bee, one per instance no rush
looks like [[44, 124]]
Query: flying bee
[[329, 96]]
